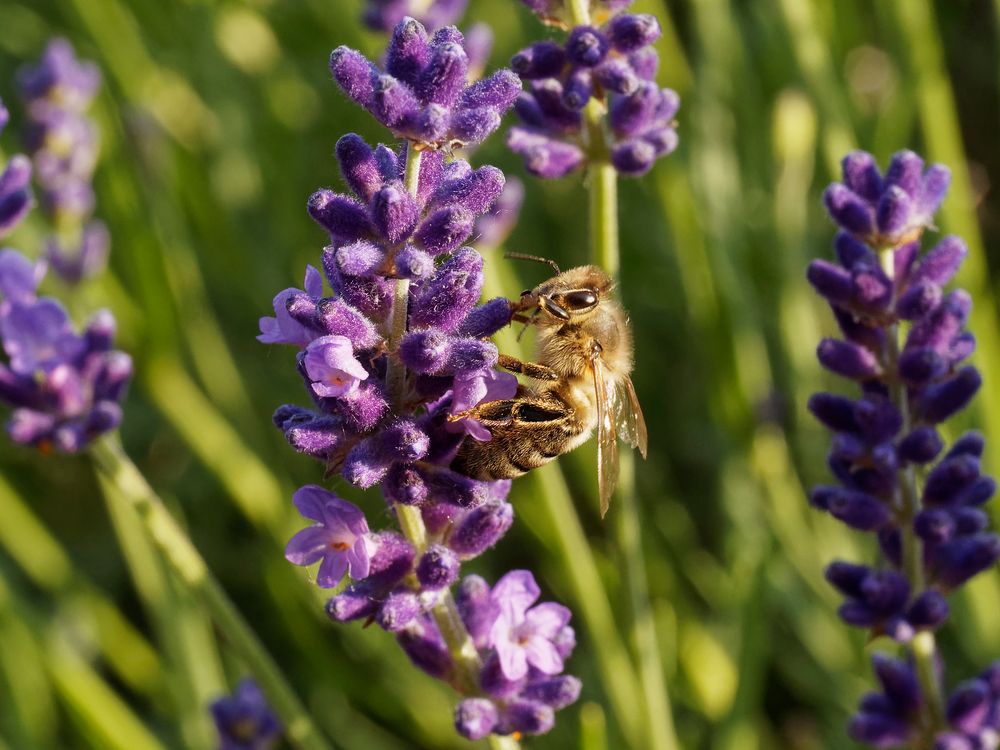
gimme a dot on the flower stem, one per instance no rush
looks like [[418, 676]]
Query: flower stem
[[602, 186], [188, 565], [411, 523], [907, 506]]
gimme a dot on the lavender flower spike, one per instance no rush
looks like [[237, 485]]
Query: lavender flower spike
[[386, 388], [931, 533], [422, 94], [63, 143], [65, 388], [244, 721], [613, 64]]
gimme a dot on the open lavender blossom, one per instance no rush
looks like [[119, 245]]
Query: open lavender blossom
[[423, 94], [340, 537], [244, 721], [613, 64], [15, 186], [904, 342], [383, 15], [63, 143], [65, 387]]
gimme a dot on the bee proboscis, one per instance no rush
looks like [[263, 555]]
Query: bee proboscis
[[580, 382]]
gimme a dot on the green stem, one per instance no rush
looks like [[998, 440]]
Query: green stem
[[460, 645], [579, 12], [602, 186], [907, 506], [192, 572]]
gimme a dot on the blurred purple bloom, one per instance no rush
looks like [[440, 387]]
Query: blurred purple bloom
[[384, 15], [614, 64], [244, 720], [340, 538]]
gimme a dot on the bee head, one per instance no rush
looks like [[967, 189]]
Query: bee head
[[570, 296]]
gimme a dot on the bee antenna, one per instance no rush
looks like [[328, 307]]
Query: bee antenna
[[536, 258]]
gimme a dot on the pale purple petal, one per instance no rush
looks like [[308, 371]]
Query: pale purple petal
[[310, 499], [513, 660], [515, 592], [331, 570], [313, 282], [542, 655], [308, 546], [331, 365], [283, 328], [547, 619], [358, 559], [343, 514]]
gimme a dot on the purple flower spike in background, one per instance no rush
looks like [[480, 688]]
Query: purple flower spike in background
[[15, 186], [423, 95], [63, 143], [244, 721], [65, 388], [604, 72], [383, 15], [904, 342]]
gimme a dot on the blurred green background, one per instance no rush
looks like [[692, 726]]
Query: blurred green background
[[219, 120]]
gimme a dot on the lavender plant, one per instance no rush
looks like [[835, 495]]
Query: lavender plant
[[15, 186], [905, 344], [63, 143], [593, 98], [398, 349]]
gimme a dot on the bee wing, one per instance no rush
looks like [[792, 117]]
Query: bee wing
[[628, 415], [607, 436]]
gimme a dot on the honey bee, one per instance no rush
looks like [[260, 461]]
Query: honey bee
[[580, 381]]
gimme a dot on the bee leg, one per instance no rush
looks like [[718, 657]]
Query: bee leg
[[530, 369], [489, 412]]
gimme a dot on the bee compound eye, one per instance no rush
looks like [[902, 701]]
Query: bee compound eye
[[579, 299]]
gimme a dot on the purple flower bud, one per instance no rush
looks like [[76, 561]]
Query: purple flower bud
[[486, 319], [448, 297], [942, 400], [971, 443], [442, 81], [969, 705], [905, 170], [391, 560], [394, 103], [477, 609], [630, 115], [831, 281], [861, 175], [894, 213], [918, 300], [475, 191], [928, 612], [935, 185], [413, 263], [244, 720], [543, 156], [474, 125], [423, 643], [629, 32], [344, 218], [633, 157], [899, 682], [425, 351], [960, 559], [586, 46], [857, 509], [849, 210], [527, 717], [578, 89], [394, 212], [354, 74], [644, 62], [920, 446], [354, 603], [497, 92], [15, 193], [398, 610], [480, 529], [475, 718], [438, 568], [617, 75], [949, 478], [942, 262], [557, 692], [848, 359], [408, 52], [540, 60], [834, 411], [851, 252], [337, 318], [358, 166], [445, 229]]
